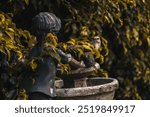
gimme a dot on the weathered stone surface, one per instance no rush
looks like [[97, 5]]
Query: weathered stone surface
[[59, 84], [97, 88]]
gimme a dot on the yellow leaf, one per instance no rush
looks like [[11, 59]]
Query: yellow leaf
[[10, 29], [71, 42], [64, 46], [2, 18], [9, 34], [32, 42], [97, 53], [22, 95], [33, 65], [27, 2], [121, 22], [102, 73], [143, 1], [52, 39], [107, 19], [65, 68], [101, 59], [80, 52], [51, 36], [8, 53], [87, 48], [84, 31], [135, 34], [19, 54], [125, 49], [10, 46], [148, 40]]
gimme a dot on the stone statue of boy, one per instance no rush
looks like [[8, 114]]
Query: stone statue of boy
[[44, 76]]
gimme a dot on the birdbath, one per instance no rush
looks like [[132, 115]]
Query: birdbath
[[78, 86]]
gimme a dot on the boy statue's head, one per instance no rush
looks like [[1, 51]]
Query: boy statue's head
[[44, 23]]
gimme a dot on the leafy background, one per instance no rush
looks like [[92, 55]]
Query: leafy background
[[125, 24]]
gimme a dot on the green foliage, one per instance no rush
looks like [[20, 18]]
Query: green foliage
[[14, 46], [22, 95], [13, 39], [125, 24], [14, 6], [130, 50]]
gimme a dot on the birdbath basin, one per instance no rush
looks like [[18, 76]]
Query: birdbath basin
[[97, 88], [77, 78]]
